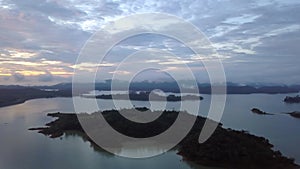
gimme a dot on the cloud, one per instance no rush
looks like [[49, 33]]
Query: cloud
[[249, 35], [175, 62], [120, 72], [240, 20]]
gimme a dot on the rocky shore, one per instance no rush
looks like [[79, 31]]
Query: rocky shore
[[226, 148]]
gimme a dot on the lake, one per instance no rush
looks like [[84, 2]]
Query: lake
[[23, 149]]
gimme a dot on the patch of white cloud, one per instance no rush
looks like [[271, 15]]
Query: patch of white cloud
[[245, 18], [277, 2], [153, 61], [175, 62], [222, 30], [91, 67], [6, 5], [85, 25], [248, 45], [120, 72], [283, 30], [216, 56]]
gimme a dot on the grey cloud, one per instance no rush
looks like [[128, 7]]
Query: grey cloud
[[264, 72], [35, 32], [249, 42], [48, 8]]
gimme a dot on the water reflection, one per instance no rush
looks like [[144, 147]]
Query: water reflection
[[157, 148]]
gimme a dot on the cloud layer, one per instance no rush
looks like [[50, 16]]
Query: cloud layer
[[257, 40]]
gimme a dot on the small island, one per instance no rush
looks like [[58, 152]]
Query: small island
[[226, 148], [295, 114], [260, 112], [289, 99], [145, 96]]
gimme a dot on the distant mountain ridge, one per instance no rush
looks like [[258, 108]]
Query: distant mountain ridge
[[14, 94], [204, 88]]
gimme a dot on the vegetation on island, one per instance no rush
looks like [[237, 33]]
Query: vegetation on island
[[260, 112], [295, 114], [289, 99], [146, 96], [226, 148]]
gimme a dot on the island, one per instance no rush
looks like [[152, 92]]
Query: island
[[145, 96], [226, 148], [295, 114], [260, 112], [289, 99]]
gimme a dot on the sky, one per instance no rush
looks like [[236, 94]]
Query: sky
[[257, 40]]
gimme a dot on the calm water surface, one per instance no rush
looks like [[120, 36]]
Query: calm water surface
[[23, 149]]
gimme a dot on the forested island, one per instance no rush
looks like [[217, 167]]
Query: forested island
[[295, 114], [260, 112], [146, 96], [289, 99], [226, 148]]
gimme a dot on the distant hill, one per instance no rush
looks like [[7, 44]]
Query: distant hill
[[14, 94], [11, 87], [232, 88], [11, 95], [296, 87]]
